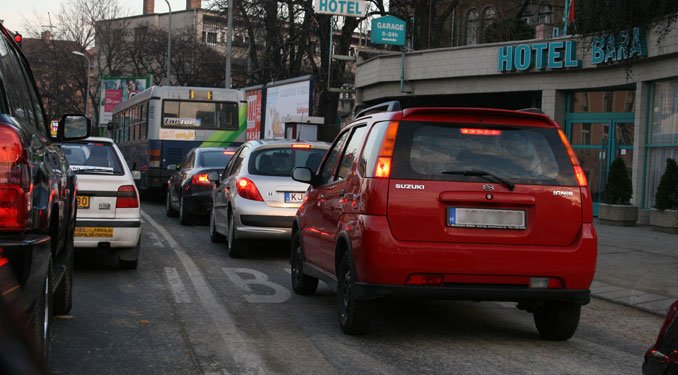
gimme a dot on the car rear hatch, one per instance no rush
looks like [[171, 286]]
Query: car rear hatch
[[97, 195], [487, 178]]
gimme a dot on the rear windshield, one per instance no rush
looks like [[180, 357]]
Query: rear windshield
[[214, 159], [443, 151], [92, 158], [281, 161]]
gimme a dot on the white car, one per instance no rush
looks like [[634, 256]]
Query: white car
[[108, 214]]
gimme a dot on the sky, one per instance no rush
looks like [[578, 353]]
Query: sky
[[17, 14]]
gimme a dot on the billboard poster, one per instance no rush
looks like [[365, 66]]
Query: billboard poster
[[253, 114], [291, 99], [116, 89]]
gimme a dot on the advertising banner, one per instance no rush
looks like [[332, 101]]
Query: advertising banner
[[116, 89], [291, 99], [253, 114]]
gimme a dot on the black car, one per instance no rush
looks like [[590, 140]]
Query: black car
[[662, 357], [188, 189], [37, 196]]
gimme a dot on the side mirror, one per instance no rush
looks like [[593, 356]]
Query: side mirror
[[213, 177], [302, 174], [73, 127], [172, 167], [136, 175]]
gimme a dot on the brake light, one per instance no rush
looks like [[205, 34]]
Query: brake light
[[247, 189], [474, 131], [578, 171], [15, 181], [127, 197], [200, 179], [301, 145], [383, 167]]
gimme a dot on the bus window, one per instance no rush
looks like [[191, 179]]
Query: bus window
[[204, 115]]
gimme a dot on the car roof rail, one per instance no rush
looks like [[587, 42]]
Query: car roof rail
[[390, 106], [533, 110]]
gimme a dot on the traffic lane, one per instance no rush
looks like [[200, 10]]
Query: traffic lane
[[122, 322], [421, 336]]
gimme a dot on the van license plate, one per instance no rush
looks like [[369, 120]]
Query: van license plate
[[82, 201], [292, 197], [485, 218]]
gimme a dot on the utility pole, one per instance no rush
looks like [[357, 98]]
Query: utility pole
[[229, 45], [169, 44]]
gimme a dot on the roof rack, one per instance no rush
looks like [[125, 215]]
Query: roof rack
[[391, 106], [533, 110]]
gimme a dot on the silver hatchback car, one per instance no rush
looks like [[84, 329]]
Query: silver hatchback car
[[255, 197]]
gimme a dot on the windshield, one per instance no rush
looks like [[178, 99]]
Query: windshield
[[460, 152], [214, 159], [199, 115], [281, 161], [92, 158]]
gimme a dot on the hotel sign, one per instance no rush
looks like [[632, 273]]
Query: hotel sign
[[348, 8], [562, 54]]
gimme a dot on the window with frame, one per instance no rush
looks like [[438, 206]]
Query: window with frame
[[330, 165], [15, 81], [472, 19], [351, 153], [545, 15]]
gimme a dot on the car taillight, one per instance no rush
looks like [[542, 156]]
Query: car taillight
[[200, 179], [383, 167], [247, 189], [154, 158], [578, 171], [671, 315], [127, 197], [15, 181]]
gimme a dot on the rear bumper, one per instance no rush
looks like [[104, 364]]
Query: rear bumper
[[509, 294], [258, 220], [474, 271], [198, 203], [29, 260], [126, 233]]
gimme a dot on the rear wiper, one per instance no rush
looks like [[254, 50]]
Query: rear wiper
[[486, 175]]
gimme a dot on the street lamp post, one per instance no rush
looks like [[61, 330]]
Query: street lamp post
[[87, 77], [229, 43], [169, 43]]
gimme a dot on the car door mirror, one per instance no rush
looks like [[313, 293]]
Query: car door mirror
[[213, 177], [302, 174], [172, 167], [73, 127]]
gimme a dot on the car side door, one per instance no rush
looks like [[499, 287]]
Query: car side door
[[226, 189]]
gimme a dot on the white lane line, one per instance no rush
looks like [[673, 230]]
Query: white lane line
[[178, 289], [155, 239], [245, 358]]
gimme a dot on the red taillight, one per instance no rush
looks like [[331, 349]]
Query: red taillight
[[671, 315], [247, 189], [127, 197], [476, 131], [383, 167], [578, 171], [424, 279], [15, 181], [200, 179]]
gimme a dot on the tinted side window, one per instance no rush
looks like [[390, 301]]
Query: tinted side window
[[20, 103], [330, 164], [351, 153]]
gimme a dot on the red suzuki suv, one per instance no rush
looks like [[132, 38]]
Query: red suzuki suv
[[450, 203]]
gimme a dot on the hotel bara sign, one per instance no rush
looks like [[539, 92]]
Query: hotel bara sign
[[562, 54], [348, 8]]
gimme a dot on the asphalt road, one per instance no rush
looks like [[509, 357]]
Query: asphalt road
[[190, 309]]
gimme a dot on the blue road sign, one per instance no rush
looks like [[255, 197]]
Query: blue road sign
[[388, 30]]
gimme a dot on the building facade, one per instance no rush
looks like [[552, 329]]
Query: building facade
[[615, 95]]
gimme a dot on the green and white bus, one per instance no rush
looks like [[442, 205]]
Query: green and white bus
[[158, 126]]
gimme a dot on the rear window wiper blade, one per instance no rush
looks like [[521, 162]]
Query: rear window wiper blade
[[484, 174]]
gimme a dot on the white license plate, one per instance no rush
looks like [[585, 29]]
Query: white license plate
[[485, 218], [292, 197]]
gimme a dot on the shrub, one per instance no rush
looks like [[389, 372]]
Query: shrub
[[619, 186], [667, 191]]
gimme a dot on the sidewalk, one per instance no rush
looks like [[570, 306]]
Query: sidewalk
[[636, 267]]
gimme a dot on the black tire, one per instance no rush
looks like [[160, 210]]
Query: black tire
[[301, 283], [169, 210], [63, 295], [215, 236], [557, 321], [184, 217], [355, 317], [41, 323], [236, 247]]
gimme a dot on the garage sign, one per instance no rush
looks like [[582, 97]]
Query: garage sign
[[388, 30], [348, 8]]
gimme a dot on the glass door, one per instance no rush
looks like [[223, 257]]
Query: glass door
[[597, 142]]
